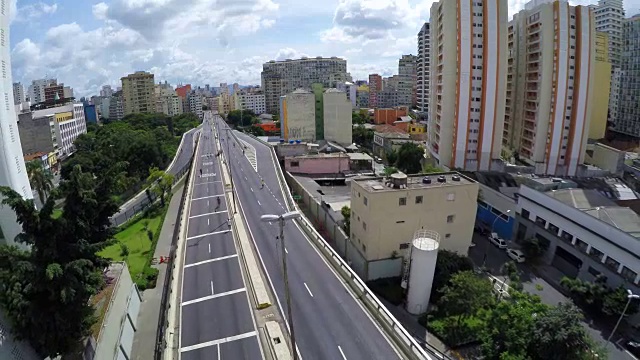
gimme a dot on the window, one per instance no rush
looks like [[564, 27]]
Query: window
[[553, 229], [364, 248], [365, 200], [628, 274], [483, 204], [540, 221], [404, 246], [402, 201], [446, 236], [450, 219], [419, 199], [400, 222], [581, 245], [566, 236], [612, 264], [594, 272], [295, 163], [525, 213]]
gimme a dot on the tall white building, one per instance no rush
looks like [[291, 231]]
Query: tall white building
[[13, 172], [609, 15], [551, 63], [37, 87], [423, 72], [195, 104], [18, 93], [254, 101], [467, 83], [106, 91], [406, 80]]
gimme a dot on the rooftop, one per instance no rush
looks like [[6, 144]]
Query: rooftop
[[592, 202], [34, 156], [436, 180], [102, 299]]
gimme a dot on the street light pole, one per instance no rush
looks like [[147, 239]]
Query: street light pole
[[233, 196], [630, 296], [281, 222]]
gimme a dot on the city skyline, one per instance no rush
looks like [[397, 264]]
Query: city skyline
[[362, 32]]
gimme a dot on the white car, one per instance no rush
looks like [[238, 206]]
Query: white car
[[516, 255], [497, 241]]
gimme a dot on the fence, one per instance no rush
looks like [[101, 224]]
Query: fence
[[164, 310], [403, 339]]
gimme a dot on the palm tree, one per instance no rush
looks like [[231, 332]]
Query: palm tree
[[41, 180]]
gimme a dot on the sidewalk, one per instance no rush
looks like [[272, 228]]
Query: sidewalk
[[145, 337]]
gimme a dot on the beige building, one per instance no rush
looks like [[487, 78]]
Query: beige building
[[338, 124], [467, 82], [298, 116], [385, 213], [549, 85], [601, 77], [226, 102], [423, 71], [138, 91]]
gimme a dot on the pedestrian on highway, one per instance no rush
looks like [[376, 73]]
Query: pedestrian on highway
[[200, 172], [261, 183], [218, 200]]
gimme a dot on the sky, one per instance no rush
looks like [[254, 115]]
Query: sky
[[89, 43]]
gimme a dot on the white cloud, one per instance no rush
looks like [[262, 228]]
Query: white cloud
[[288, 53], [34, 11]]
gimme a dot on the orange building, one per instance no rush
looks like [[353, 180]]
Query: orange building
[[182, 91], [388, 116], [269, 127]]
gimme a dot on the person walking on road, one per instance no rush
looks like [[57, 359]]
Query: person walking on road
[[261, 183]]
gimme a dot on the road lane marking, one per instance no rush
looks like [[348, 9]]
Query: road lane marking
[[212, 233], [251, 189], [212, 293], [211, 213], [211, 260], [341, 353], [285, 250], [206, 197], [219, 358], [305, 285], [209, 297], [208, 182], [209, 247], [246, 178], [208, 222], [219, 341], [259, 203]]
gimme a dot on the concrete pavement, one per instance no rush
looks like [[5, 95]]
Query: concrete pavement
[[329, 322]]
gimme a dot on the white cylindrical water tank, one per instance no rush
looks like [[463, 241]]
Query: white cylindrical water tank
[[424, 253]]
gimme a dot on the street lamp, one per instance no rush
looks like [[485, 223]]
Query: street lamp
[[630, 296], [484, 257], [496, 219], [292, 215]]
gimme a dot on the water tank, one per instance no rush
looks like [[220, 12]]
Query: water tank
[[424, 253]]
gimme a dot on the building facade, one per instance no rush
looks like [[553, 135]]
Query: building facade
[[68, 123], [37, 134], [116, 106], [549, 85], [36, 89], [375, 86], [297, 116], [337, 115], [609, 17], [423, 69], [407, 77], [467, 83], [628, 120], [106, 91], [18, 93], [601, 77], [138, 91], [385, 214], [351, 90], [282, 77], [195, 104], [254, 101]]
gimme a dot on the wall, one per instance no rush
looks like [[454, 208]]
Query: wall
[[602, 77], [299, 122], [388, 116], [337, 118], [317, 164], [35, 134], [11, 348], [382, 225], [607, 158], [492, 205]]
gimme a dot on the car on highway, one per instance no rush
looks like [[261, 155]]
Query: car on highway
[[516, 255], [497, 241]]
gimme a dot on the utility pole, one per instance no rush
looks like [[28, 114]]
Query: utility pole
[[286, 288]]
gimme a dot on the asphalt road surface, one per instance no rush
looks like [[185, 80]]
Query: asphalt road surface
[[216, 317], [329, 322], [183, 156]]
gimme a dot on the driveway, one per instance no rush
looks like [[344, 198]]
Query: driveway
[[494, 258]]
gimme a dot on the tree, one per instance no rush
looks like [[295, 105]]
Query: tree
[[598, 297], [389, 170], [448, 264], [533, 249], [160, 182], [509, 326], [45, 291], [241, 117], [465, 295], [358, 118], [256, 130], [391, 157], [615, 300], [346, 214], [40, 179], [430, 169], [362, 136], [558, 334], [410, 157]]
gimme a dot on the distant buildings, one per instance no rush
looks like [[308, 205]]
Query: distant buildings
[[407, 77], [628, 119], [467, 83], [548, 109], [68, 123], [18, 93], [37, 87], [106, 91], [195, 104], [250, 99], [375, 86], [116, 106], [282, 77], [138, 93], [423, 69], [351, 90], [167, 101], [609, 17]]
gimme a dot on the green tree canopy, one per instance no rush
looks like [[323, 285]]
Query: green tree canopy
[[410, 157], [465, 294], [41, 180], [160, 183], [362, 136], [241, 118], [558, 334], [448, 264]]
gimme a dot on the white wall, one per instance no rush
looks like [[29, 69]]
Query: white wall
[[338, 125]]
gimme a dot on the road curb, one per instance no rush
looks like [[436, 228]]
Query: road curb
[[277, 342]]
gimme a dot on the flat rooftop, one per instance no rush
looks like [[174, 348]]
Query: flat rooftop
[[423, 181], [594, 203], [336, 196]]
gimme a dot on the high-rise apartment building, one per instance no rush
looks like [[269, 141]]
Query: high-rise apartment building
[[609, 16], [116, 106], [18, 93], [549, 85], [138, 93], [601, 77], [282, 77], [423, 61], [250, 100], [195, 104], [36, 89], [106, 91], [467, 82], [375, 86], [628, 120], [407, 76], [614, 94]]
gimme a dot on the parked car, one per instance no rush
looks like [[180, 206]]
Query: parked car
[[516, 255], [497, 241]]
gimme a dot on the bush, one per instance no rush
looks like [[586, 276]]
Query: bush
[[454, 331], [148, 278]]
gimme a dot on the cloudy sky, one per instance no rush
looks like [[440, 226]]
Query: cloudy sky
[[89, 43]]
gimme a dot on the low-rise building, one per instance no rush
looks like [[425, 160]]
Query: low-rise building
[[117, 306], [585, 234], [69, 123], [387, 138], [386, 212], [318, 164], [388, 116]]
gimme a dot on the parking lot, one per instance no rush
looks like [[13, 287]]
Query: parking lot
[[493, 258]]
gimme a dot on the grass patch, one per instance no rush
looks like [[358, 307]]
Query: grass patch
[[453, 331], [56, 213], [389, 289], [140, 239]]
